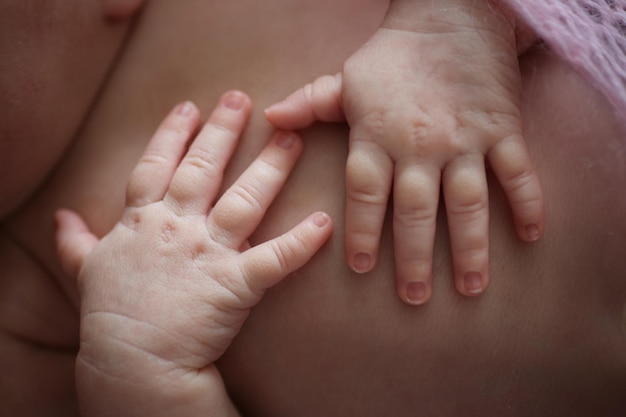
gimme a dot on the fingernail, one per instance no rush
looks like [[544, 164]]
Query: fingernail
[[184, 109], [532, 233], [362, 262], [285, 140], [473, 283], [320, 219], [416, 293], [233, 101]]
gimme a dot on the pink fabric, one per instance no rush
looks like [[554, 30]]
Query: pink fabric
[[589, 34]]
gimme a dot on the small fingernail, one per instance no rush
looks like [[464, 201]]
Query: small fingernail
[[233, 101], [320, 219], [362, 262], [473, 283], [532, 233], [285, 140], [184, 109], [416, 293]]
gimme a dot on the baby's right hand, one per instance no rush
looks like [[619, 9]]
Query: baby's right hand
[[166, 291]]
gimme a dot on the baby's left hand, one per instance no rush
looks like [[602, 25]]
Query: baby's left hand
[[427, 98], [166, 291]]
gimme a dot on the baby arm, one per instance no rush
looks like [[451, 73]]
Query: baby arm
[[167, 290], [428, 97]]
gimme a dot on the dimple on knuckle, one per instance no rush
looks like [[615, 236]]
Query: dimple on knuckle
[[377, 122]]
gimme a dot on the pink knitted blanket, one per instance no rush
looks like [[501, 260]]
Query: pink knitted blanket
[[589, 34]]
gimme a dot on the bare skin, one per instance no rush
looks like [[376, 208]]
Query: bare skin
[[188, 249], [431, 96], [547, 338], [63, 48]]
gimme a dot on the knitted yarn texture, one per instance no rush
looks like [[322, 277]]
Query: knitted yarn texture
[[589, 34]]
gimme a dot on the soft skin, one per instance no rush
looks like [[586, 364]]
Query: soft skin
[[546, 339], [56, 55], [428, 98], [166, 291]]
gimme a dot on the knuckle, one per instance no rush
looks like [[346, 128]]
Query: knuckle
[[468, 205], [518, 180], [417, 131], [151, 158], [322, 98], [470, 242], [466, 193], [416, 215], [366, 182], [309, 92], [204, 162], [248, 197], [285, 253], [367, 196]]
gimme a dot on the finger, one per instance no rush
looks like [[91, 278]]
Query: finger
[[368, 182], [466, 195], [317, 101], [416, 197], [151, 177], [240, 210], [511, 163], [267, 264], [74, 241], [199, 175]]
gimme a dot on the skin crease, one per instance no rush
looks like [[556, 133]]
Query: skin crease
[[545, 340], [47, 61]]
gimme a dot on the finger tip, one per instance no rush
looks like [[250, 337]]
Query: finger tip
[[362, 262], [415, 293], [472, 283], [61, 216], [531, 232], [322, 219]]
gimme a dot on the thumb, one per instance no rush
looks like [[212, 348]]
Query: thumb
[[74, 241], [317, 101]]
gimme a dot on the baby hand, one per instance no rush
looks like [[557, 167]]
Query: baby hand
[[166, 291], [426, 104]]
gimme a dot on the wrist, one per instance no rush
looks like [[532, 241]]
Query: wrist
[[452, 16], [177, 393]]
